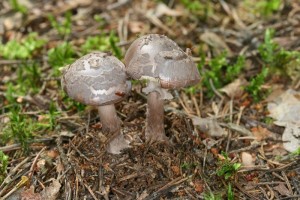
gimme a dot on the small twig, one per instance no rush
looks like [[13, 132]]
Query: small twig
[[245, 192], [18, 146], [80, 153], [167, 187], [34, 162], [117, 5], [214, 89], [8, 179]]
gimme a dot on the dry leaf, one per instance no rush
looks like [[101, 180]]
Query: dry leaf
[[286, 107], [261, 133], [235, 89], [215, 41], [290, 136], [247, 159], [282, 190], [30, 194], [162, 9], [208, 126], [136, 26], [51, 192]]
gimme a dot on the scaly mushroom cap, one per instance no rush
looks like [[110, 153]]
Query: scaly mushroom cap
[[96, 79], [157, 56]]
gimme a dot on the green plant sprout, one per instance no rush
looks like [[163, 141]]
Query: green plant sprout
[[20, 127], [16, 6], [202, 10], [28, 80], [221, 72], [63, 28], [3, 166], [23, 49], [230, 194], [102, 43], [212, 196], [297, 152], [264, 8], [187, 166], [226, 168], [276, 60], [254, 87], [268, 7], [60, 56]]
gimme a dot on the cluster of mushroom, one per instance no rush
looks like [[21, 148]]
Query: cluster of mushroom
[[101, 80]]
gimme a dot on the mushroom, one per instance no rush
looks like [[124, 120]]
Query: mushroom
[[99, 79], [164, 65]]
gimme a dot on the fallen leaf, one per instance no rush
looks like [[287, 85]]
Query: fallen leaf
[[176, 170], [282, 189], [199, 187], [209, 143], [286, 107], [290, 136], [247, 159], [215, 41], [51, 192], [235, 89], [208, 126], [261, 133], [136, 26], [162, 9], [29, 194]]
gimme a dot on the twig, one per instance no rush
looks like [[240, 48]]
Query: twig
[[8, 179], [167, 187], [18, 146], [215, 90], [34, 162]]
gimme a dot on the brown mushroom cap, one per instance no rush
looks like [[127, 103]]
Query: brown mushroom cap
[[96, 79], [159, 57]]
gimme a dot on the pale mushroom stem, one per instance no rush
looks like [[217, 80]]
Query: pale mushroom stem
[[111, 124], [155, 118]]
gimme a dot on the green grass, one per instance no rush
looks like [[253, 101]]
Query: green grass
[[220, 71], [226, 168], [17, 7], [23, 49], [59, 56], [64, 27], [200, 10], [263, 8], [212, 196], [102, 43], [3, 166]]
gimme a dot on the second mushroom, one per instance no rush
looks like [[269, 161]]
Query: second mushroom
[[164, 65], [99, 79]]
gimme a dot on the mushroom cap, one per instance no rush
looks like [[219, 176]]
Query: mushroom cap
[[157, 56], [96, 79]]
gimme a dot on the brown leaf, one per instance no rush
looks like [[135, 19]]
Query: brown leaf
[[209, 126], [30, 195], [235, 89], [215, 41], [261, 133], [282, 190], [247, 159], [51, 192]]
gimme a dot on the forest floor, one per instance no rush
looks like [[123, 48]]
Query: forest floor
[[235, 135]]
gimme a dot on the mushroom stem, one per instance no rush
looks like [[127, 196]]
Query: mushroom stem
[[109, 119], [155, 118], [111, 124]]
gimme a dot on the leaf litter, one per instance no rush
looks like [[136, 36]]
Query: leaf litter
[[75, 164]]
